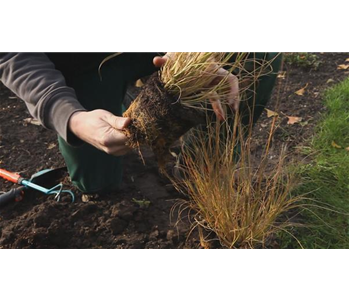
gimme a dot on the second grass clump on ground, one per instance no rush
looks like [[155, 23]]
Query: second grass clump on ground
[[238, 199]]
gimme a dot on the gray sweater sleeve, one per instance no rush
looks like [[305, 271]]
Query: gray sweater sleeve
[[34, 79]]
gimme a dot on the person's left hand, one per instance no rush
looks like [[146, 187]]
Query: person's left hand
[[233, 96], [101, 129]]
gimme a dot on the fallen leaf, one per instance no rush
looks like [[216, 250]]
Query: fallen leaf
[[301, 91], [141, 203], [305, 123], [347, 60], [330, 81], [293, 120], [271, 113], [32, 121], [345, 149], [282, 75], [342, 67], [139, 83], [85, 198], [51, 146], [334, 145]]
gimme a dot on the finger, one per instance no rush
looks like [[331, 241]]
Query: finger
[[118, 123], [233, 99], [218, 110], [115, 143], [119, 145], [159, 61], [217, 106], [122, 123]]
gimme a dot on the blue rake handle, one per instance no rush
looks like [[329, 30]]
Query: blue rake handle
[[56, 190]]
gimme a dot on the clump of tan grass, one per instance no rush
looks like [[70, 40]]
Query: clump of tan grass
[[189, 75], [239, 199]]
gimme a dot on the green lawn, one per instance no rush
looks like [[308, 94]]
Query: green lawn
[[326, 179]]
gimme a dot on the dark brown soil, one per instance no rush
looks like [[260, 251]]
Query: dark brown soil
[[309, 107], [124, 219]]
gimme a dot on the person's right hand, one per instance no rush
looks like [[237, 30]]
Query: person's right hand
[[101, 129], [233, 99]]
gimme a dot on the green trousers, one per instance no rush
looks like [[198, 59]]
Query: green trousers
[[92, 170]]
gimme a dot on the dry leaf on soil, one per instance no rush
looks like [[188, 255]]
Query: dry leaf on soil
[[305, 123], [301, 91], [282, 75], [330, 81], [343, 67], [271, 113], [139, 83], [51, 146], [31, 121], [293, 120]]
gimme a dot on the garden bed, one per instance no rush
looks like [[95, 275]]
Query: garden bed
[[139, 215]]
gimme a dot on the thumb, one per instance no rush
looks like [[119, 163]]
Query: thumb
[[118, 123], [159, 61]]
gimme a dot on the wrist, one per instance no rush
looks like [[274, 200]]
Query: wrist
[[75, 122]]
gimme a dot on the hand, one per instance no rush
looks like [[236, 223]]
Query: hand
[[101, 129], [233, 96]]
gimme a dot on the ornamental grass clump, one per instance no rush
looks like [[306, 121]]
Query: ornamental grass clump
[[238, 199]]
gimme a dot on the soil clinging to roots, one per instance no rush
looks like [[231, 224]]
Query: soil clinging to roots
[[158, 119]]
